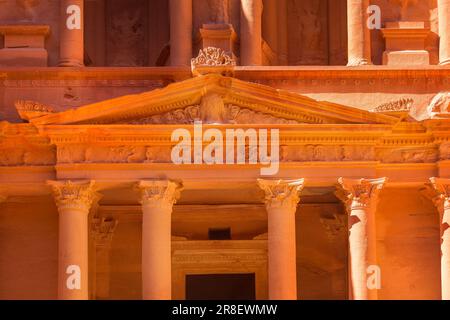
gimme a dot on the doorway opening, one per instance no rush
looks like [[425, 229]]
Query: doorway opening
[[221, 287]]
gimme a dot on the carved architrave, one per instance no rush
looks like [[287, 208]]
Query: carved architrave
[[159, 193], [73, 195], [281, 193], [362, 192]]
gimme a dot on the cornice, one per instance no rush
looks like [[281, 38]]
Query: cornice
[[243, 73]]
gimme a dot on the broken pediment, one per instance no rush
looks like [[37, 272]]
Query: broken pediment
[[216, 99]]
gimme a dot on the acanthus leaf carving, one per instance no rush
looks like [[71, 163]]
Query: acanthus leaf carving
[[213, 60], [159, 193], [361, 192], [281, 193], [77, 195]]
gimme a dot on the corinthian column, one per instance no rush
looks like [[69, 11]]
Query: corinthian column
[[73, 199], [281, 199], [157, 199], [442, 202], [251, 38], [71, 50], [362, 202], [180, 32], [358, 33], [444, 31]]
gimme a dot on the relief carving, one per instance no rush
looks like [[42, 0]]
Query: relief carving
[[28, 110], [115, 154], [398, 105], [439, 104], [213, 110], [310, 153], [213, 60], [127, 39], [407, 155], [219, 11], [444, 151]]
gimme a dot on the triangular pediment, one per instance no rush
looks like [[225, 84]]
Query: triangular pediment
[[214, 99]]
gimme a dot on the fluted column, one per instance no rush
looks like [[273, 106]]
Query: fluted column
[[157, 199], [281, 199], [362, 202], [358, 33], [251, 30], [74, 200], [444, 31], [180, 32], [71, 33], [442, 202]]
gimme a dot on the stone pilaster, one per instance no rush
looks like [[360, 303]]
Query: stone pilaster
[[74, 200], [180, 32], [102, 231], [251, 32], [157, 199], [281, 199], [358, 33], [442, 202], [71, 50], [362, 203], [444, 31]]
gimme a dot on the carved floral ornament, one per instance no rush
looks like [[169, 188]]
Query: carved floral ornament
[[212, 60], [73, 195], [159, 193], [361, 192], [281, 193], [213, 109]]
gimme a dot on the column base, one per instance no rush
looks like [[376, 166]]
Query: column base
[[70, 63], [358, 62], [445, 62], [406, 58], [23, 57]]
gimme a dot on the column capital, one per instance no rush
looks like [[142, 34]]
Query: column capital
[[441, 193], [159, 193], [281, 193], [361, 192], [73, 194], [102, 231]]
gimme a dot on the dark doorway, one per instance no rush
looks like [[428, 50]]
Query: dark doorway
[[220, 287]]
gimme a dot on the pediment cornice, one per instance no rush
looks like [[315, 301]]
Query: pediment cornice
[[285, 106]]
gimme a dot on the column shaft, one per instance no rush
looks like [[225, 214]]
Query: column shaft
[[358, 33], [362, 234], [71, 51], [442, 201], [281, 200], [251, 32], [444, 31], [157, 201], [73, 201], [445, 250], [180, 32]]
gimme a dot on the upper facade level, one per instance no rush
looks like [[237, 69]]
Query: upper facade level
[[140, 33]]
